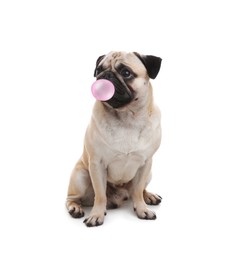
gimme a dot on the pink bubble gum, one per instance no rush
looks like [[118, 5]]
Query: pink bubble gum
[[102, 89]]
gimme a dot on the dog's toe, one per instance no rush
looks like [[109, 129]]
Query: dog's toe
[[146, 214], [95, 219], [151, 198], [93, 222], [76, 214], [75, 210]]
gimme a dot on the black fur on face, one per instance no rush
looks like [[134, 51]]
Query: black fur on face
[[97, 63], [122, 96]]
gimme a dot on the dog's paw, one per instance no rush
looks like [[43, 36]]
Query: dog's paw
[[95, 219], [145, 213], [75, 210], [151, 198]]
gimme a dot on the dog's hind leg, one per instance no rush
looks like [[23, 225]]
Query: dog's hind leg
[[80, 191]]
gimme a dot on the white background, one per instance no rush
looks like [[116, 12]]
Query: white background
[[48, 51]]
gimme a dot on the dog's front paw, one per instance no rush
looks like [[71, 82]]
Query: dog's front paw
[[95, 219], [151, 198], [144, 213]]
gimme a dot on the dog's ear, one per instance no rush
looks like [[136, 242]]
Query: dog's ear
[[151, 63], [97, 63]]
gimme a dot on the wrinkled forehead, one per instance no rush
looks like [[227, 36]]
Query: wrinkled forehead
[[115, 59]]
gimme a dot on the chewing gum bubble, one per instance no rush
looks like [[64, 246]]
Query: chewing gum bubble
[[103, 89]]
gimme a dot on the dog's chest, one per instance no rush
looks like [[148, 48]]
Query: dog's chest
[[127, 150], [126, 140], [123, 167]]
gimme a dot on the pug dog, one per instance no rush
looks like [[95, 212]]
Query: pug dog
[[120, 141]]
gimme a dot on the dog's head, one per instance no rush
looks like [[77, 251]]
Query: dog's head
[[129, 73]]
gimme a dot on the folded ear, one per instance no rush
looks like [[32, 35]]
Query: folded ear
[[151, 63], [97, 63]]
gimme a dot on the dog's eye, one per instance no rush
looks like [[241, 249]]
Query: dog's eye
[[126, 73]]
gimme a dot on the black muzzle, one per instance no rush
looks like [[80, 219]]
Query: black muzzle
[[122, 95]]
